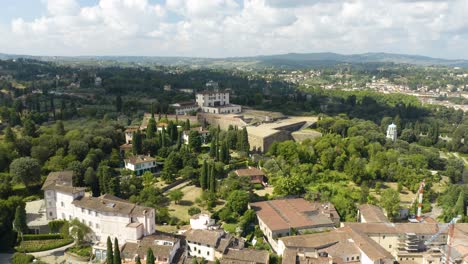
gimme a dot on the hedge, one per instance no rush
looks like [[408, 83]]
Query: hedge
[[21, 258], [42, 245], [29, 237]]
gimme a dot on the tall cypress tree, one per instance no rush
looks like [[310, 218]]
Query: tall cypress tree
[[137, 143], [117, 259], [203, 175], [187, 125], [213, 179], [110, 253], [151, 128], [213, 147], [19, 223], [149, 256]]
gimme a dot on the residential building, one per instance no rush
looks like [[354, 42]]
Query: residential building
[[36, 217], [368, 213], [204, 243], [216, 102], [204, 135], [164, 247], [405, 241], [216, 244], [284, 217], [167, 87], [185, 108], [343, 245], [392, 132], [255, 175], [106, 215], [129, 131], [97, 81], [186, 90], [140, 163], [203, 222]]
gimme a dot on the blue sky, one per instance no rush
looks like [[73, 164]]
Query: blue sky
[[220, 28]]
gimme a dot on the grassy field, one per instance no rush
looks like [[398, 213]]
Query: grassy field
[[191, 193]]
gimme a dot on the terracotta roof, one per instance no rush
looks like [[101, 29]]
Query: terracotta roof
[[61, 181], [139, 159], [338, 243], [296, 213], [110, 204], [206, 237], [132, 129], [131, 249], [250, 172], [395, 228], [247, 256], [372, 213]]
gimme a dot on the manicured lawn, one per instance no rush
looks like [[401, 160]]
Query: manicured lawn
[[191, 193]]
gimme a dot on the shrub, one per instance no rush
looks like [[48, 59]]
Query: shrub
[[42, 245], [42, 237], [82, 251], [56, 225], [21, 258], [194, 210]]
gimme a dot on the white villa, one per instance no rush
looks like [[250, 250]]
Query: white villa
[[392, 132], [203, 222], [129, 133], [216, 102], [140, 163], [185, 108], [107, 215]]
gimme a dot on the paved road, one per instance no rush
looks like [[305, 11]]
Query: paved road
[[5, 257]]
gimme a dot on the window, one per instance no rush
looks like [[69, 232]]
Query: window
[[352, 258], [383, 237], [389, 246], [61, 203], [50, 213], [207, 253], [97, 225], [82, 210]]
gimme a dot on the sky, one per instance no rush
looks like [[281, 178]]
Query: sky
[[232, 28]]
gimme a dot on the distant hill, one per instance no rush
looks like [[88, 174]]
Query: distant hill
[[288, 61]]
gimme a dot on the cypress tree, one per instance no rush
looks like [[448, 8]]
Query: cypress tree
[[137, 143], [212, 179], [110, 253], [138, 261], [149, 256], [203, 176], [10, 136], [213, 147], [117, 259], [19, 223], [151, 128], [187, 125]]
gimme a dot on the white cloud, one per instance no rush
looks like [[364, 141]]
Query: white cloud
[[242, 27]]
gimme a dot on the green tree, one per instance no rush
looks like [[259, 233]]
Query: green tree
[[193, 210], [149, 256], [59, 128], [238, 201], [194, 141], [137, 143], [460, 204], [26, 170], [187, 125], [204, 176], [79, 231], [151, 128], [110, 253], [19, 224], [176, 195], [10, 136], [390, 201], [118, 103], [78, 148], [29, 128], [292, 185], [117, 259], [92, 181]]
